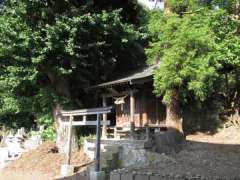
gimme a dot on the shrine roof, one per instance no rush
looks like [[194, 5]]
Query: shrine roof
[[146, 72]]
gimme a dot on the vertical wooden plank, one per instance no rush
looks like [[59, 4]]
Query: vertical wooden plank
[[69, 147], [98, 143], [145, 109], [147, 133], [157, 111], [104, 128], [84, 118], [132, 111]]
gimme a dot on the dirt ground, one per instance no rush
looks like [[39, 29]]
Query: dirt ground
[[40, 164], [206, 155], [203, 154]]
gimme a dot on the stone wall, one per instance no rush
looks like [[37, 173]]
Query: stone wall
[[123, 174], [77, 176], [131, 152]]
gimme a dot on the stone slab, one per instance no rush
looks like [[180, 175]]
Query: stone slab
[[127, 176], [66, 170], [154, 178], [97, 175], [141, 177], [115, 177]]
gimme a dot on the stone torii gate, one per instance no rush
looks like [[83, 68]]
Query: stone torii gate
[[103, 111]]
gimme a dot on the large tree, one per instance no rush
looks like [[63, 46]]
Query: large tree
[[183, 45], [197, 45], [51, 50]]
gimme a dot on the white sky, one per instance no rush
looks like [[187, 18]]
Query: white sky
[[151, 3]]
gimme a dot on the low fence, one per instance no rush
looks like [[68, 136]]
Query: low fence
[[126, 175]]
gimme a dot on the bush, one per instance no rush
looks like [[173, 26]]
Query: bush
[[49, 132]]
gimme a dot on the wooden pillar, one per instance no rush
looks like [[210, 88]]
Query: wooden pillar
[[69, 144], [98, 145], [132, 112], [84, 118], [147, 133], [157, 111], [104, 128]]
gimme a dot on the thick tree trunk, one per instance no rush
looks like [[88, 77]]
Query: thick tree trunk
[[173, 119], [62, 87], [62, 132]]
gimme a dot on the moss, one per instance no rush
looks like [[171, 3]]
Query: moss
[[119, 163], [151, 157]]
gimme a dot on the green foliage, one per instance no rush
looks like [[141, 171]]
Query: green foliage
[[199, 56], [184, 46], [226, 30], [231, 6], [49, 132], [51, 51], [181, 6], [46, 120]]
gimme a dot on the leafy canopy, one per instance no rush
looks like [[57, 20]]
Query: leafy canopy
[[196, 46], [51, 50], [184, 46]]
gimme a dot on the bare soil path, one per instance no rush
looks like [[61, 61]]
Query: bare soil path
[[206, 155], [40, 164], [203, 154]]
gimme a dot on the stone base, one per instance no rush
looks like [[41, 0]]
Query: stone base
[[67, 170], [97, 175]]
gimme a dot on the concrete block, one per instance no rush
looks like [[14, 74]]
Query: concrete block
[[127, 176], [115, 176], [141, 177], [155, 178], [97, 175], [158, 177], [67, 170]]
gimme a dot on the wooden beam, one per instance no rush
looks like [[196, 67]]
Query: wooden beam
[[83, 112], [123, 93], [86, 123], [141, 81]]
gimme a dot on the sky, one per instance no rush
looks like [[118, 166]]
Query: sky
[[152, 3]]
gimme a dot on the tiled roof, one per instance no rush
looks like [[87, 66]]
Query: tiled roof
[[144, 73]]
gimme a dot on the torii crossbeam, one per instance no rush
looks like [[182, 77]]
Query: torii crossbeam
[[84, 113]]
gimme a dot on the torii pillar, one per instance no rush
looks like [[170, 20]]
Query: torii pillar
[[104, 128]]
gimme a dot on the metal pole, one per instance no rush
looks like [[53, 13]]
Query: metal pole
[[97, 150]]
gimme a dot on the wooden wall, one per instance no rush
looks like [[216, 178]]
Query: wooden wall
[[148, 110]]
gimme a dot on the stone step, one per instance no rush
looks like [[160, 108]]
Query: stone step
[[106, 155], [114, 149]]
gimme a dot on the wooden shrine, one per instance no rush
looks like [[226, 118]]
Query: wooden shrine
[[133, 100]]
